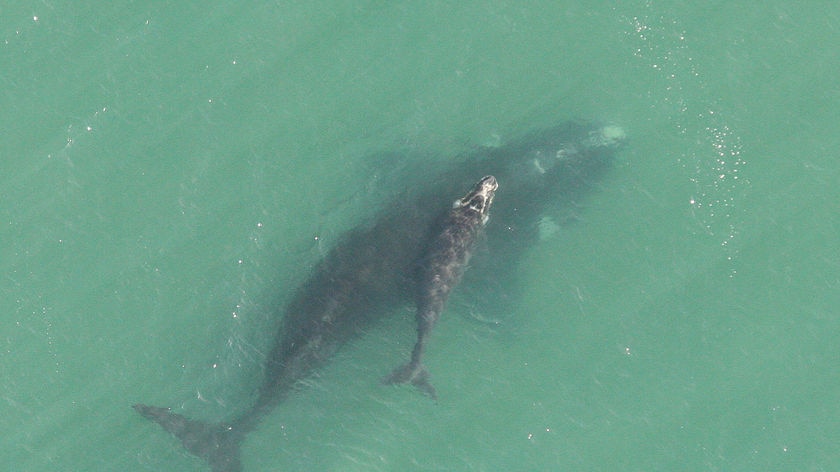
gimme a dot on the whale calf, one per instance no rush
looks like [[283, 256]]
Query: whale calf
[[441, 268], [372, 270]]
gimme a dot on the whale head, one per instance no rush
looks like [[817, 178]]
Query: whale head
[[480, 197]]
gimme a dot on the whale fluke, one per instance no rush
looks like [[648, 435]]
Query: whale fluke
[[416, 374], [218, 444]]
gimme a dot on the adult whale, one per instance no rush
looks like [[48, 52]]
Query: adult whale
[[373, 269]]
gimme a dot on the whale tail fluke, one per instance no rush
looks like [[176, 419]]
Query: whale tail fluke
[[218, 444], [413, 373]]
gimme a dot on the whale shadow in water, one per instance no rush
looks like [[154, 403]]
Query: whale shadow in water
[[372, 270]]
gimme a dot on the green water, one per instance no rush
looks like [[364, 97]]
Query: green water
[[167, 172]]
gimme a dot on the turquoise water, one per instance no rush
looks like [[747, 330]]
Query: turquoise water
[[168, 172]]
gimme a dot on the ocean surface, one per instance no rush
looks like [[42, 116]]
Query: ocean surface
[[171, 171]]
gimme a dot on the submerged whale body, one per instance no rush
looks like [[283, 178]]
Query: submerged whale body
[[373, 269]]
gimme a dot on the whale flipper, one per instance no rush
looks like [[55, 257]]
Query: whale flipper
[[218, 444]]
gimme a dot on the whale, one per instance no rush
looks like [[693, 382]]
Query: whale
[[372, 270], [444, 262]]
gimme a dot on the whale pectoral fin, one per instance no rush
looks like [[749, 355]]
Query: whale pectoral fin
[[218, 444], [416, 374]]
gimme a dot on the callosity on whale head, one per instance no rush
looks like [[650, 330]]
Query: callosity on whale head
[[480, 197], [602, 139]]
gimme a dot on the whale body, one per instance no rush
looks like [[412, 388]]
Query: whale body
[[441, 267]]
